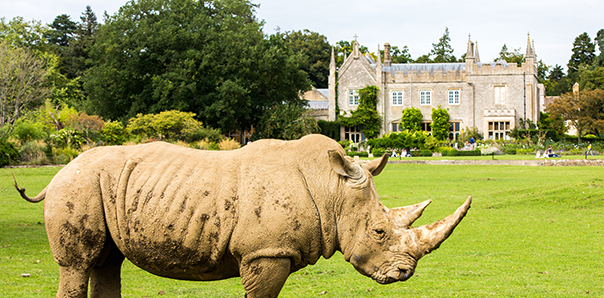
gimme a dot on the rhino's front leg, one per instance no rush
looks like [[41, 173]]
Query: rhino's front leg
[[264, 277]]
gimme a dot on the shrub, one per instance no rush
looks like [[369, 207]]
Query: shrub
[[113, 133], [204, 133], [345, 143], [167, 125], [33, 152], [64, 155], [202, 145], [27, 131], [67, 138], [8, 153], [88, 126], [377, 152], [525, 151], [510, 151], [229, 144]]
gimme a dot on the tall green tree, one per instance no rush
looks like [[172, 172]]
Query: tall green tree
[[317, 52], [513, 56], [583, 55], [599, 40], [206, 57], [76, 59], [412, 119], [440, 123], [23, 83], [62, 31], [443, 51], [557, 82]]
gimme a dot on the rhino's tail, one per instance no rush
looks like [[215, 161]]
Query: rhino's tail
[[35, 199]]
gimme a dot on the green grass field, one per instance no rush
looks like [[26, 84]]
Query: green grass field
[[531, 232]]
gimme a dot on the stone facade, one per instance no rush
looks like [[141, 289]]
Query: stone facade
[[490, 96], [318, 103]]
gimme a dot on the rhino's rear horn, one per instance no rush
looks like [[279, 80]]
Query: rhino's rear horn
[[405, 216], [431, 236]]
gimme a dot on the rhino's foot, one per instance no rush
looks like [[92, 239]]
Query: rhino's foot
[[265, 277]]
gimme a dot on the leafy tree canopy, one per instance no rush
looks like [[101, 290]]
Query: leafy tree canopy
[[508, 56], [443, 51], [61, 31], [23, 34], [317, 53], [584, 109], [583, 54], [206, 57]]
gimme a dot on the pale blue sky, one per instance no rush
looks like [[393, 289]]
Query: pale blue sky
[[553, 24]]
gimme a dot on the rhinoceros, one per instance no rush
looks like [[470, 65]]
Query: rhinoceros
[[260, 212]]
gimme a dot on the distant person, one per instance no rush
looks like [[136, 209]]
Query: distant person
[[589, 150], [550, 152], [393, 154], [472, 142]]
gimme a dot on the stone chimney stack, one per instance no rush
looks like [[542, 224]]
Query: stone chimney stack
[[387, 59]]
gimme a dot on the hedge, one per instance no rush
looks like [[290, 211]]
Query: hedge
[[330, 129], [454, 152], [359, 154], [424, 152]]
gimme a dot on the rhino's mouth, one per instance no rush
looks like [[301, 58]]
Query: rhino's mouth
[[393, 275]]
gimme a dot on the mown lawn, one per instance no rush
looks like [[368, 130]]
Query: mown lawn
[[531, 232]]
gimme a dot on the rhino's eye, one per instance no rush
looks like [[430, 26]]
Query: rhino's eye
[[380, 233]]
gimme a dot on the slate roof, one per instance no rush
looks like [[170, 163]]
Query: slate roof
[[318, 105], [419, 67]]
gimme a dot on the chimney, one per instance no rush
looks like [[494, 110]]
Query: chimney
[[387, 60]]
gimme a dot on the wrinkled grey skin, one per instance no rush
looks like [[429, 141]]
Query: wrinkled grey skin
[[260, 212]]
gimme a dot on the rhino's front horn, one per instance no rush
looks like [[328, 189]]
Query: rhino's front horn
[[429, 237]]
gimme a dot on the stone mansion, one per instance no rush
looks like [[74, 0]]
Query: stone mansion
[[491, 96]]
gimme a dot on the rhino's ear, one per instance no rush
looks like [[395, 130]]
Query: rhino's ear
[[344, 166], [376, 166]]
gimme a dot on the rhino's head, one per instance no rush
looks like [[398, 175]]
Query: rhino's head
[[380, 242]]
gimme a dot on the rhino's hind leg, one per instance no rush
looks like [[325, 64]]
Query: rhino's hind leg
[[105, 279], [264, 277], [73, 282]]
